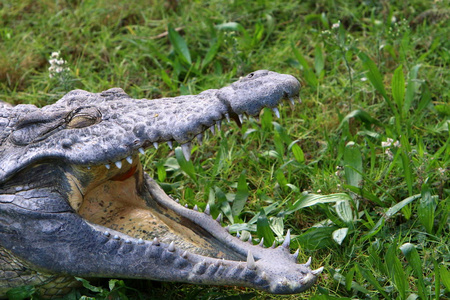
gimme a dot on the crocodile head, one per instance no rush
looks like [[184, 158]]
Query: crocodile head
[[74, 199]]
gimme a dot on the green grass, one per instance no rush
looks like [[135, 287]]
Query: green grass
[[376, 217]]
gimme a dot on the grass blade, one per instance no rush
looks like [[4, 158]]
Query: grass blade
[[396, 271], [372, 280], [307, 200], [426, 209], [263, 229], [414, 261], [353, 164], [185, 166], [241, 195], [398, 87], [374, 76], [180, 45]]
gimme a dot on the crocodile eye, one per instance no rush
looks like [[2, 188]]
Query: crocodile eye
[[250, 75], [83, 117]]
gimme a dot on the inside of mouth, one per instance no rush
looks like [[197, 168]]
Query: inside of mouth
[[123, 203]]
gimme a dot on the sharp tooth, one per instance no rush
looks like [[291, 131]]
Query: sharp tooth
[[155, 144], [141, 150], [195, 207], [171, 247], [227, 116], [186, 150], [116, 237], [108, 166], [299, 100], [184, 255], [264, 275], [219, 218], [250, 240], [261, 243], [241, 118], [219, 125], [118, 164], [274, 244], [251, 265], [295, 255], [200, 138], [186, 205], [207, 209], [276, 111], [238, 235], [140, 241], [291, 100], [308, 263], [106, 233], [213, 130], [129, 160], [155, 241], [89, 167], [287, 239], [170, 144], [317, 272]]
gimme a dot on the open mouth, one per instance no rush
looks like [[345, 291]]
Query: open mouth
[[135, 210], [120, 223]]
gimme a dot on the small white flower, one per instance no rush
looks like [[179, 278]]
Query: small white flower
[[388, 143], [55, 54], [364, 79], [396, 144], [336, 25]]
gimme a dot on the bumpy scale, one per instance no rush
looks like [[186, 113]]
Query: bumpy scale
[[74, 200]]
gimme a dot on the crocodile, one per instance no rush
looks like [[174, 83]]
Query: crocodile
[[75, 200]]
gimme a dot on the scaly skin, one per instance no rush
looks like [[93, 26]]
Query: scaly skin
[[74, 200]]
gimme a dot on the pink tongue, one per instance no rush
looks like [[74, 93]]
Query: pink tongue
[[124, 176]]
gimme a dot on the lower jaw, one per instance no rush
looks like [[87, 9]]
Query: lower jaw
[[128, 206]]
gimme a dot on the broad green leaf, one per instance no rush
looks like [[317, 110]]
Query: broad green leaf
[[414, 261], [363, 116], [224, 205], [349, 278], [339, 235], [89, 286], [318, 60], [353, 164], [406, 162], [241, 195], [263, 229], [396, 271], [297, 151], [211, 53], [374, 75], [426, 208], [185, 166], [372, 280], [445, 276], [397, 207], [344, 212], [316, 238], [398, 87], [412, 87], [231, 26], [309, 74], [307, 200], [180, 45]]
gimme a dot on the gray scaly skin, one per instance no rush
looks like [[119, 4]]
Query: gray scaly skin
[[74, 200]]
